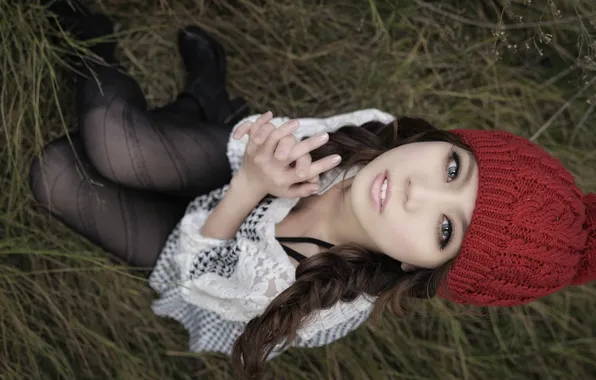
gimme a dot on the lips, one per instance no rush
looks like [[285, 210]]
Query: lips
[[385, 191], [380, 191]]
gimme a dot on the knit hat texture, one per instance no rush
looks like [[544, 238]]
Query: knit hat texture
[[532, 230]]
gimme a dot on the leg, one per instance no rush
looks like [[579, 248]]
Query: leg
[[131, 224], [170, 150], [162, 151]]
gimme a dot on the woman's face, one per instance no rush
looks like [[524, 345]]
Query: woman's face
[[415, 202]]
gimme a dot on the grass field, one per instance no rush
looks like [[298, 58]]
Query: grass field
[[68, 312]]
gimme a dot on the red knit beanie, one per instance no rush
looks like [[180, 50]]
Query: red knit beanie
[[532, 232]]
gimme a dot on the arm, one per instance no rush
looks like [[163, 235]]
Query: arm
[[232, 210], [266, 170]]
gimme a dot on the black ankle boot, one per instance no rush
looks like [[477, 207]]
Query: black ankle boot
[[77, 19], [205, 62]]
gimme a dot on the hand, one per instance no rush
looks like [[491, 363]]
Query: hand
[[284, 147], [267, 165]]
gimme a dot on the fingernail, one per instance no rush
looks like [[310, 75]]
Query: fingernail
[[336, 159], [281, 155], [301, 173], [323, 137]]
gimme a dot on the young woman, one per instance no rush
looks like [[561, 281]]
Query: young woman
[[305, 227]]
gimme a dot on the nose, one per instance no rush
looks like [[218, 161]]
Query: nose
[[418, 194]]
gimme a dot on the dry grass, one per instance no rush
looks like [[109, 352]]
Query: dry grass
[[68, 312]]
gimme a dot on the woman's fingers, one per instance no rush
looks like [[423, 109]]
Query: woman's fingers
[[260, 133], [308, 145], [301, 190], [321, 166], [245, 127], [274, 136], [242, 130], [302, 164], [313, 179], [284, 147]]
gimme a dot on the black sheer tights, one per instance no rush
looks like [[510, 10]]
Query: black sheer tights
[[126, 179]]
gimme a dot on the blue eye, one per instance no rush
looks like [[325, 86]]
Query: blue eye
[[445, 232], [453, 166]]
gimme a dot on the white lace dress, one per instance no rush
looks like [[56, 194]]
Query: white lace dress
[[214, 287]]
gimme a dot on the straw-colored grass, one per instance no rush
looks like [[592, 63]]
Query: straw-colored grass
[[69, 312]]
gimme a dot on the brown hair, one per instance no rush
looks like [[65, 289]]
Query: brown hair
[[347, 271]]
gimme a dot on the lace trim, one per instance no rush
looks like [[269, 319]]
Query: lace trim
[[247, 292]]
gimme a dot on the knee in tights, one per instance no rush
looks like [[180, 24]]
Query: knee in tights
[[130, 224], [58, 160]]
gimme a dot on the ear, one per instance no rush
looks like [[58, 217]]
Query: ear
[[408, 268]]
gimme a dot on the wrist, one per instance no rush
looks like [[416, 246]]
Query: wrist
[[229, 214], [251, 190]]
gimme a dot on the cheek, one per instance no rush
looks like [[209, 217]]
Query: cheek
[[406, 237], [408, 240]]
